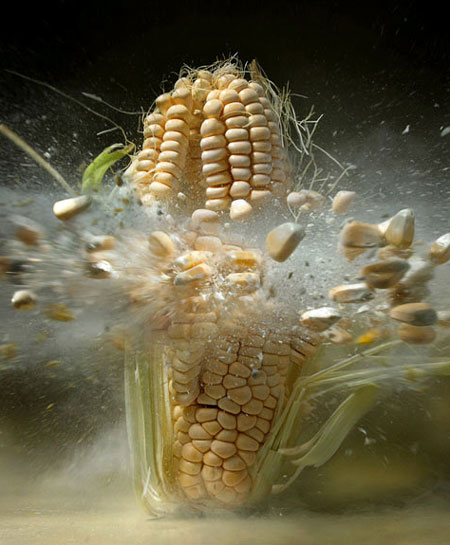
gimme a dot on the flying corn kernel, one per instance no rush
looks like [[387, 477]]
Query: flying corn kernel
[[23, 300], [283, 240], [412, 334], [440, 250], [68, 208], [343, 201], [416, 314]]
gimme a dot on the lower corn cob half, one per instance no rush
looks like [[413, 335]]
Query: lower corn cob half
[[219, 371], [205, 450]]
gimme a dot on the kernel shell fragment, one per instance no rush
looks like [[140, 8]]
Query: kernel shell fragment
[[100, 243], [59, 312], [197, 273], [305, 199]]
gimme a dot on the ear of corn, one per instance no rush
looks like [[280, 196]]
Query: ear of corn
[[217, 403], [216, 376]]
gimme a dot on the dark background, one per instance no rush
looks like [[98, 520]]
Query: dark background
[[55, 35], [137, 41]]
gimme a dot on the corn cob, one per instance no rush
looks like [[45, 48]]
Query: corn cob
[[226, 370], [217, 137], [226, 364]]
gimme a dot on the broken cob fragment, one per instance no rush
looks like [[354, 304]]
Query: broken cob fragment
[[216, 136]]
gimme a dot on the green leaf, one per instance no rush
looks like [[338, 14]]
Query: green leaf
[[94, 173]]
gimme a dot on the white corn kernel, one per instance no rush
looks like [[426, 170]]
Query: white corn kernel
[[259, 133], [440, 250], [351, 293], [229, 95], [243, 282], [385, 274], [240, 189], [239, 161], [415, 334], [68, 208], [241, 174], [343, 201], [163, 102], [217, 192], [197, 273], [206, 221], [160, 190], [218, 204], [240, 147], [178, 111], [23, 300], [189, 260], [235, 135], [233, 109], [210, 156], [175, 135], [357, 234], [260, 195], [400, 231], [209, 169], [320, 318], [221, 178], [240, 210], [416, 314], [208, 244], [161, 244], [213, 142], [212, 127], [183, 96], [248, 95], [283, 240], [213, 108]]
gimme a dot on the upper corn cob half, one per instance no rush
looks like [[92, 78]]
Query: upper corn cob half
[[216, 139]]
